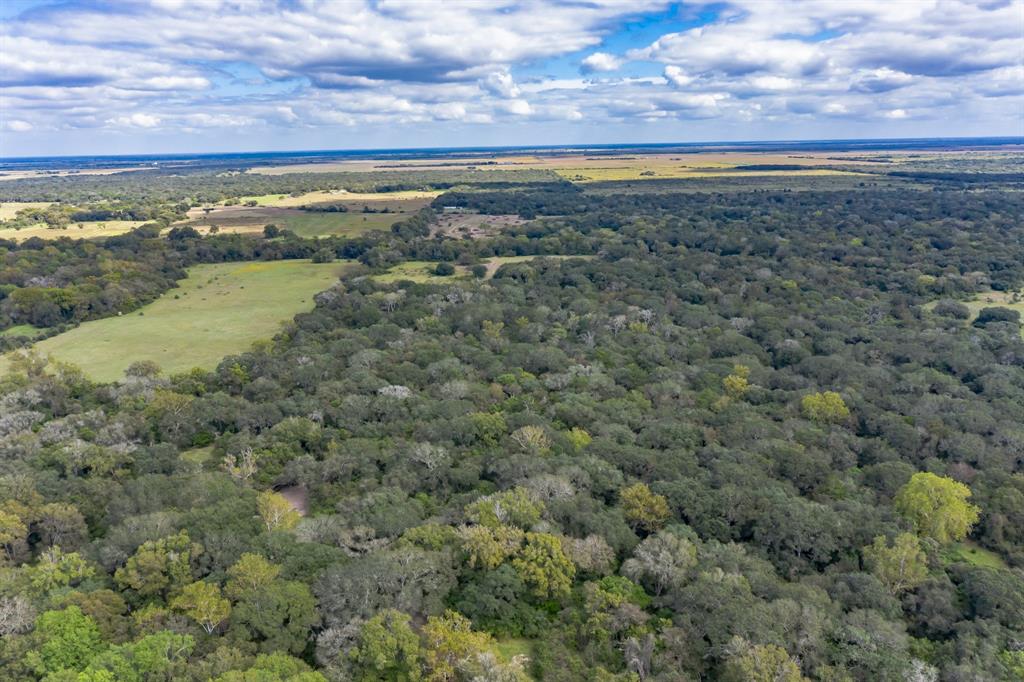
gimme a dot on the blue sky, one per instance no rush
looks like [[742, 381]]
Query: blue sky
[[155, 76]]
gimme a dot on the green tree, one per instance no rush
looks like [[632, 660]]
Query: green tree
[[513, 507], [578, 438], [644, 509], [736, 384], [487, 547], [249, 574], [203, 603], [159, 567], [388, 649], [661, 560], [159, 656], [277, 512], [937, 506], [274, 667], [12, 532], [543, 565], [57, 569], [760, 663], [447, 640], [901, 567], [827, 407], [278, 616], [69, 639]]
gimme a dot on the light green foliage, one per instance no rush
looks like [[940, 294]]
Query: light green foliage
[[249, 574], [760, 663], [448, 640], [613, 605], [159, 567], [543, 566], [162, 655], [578, 438], [277, 512], [69, 639], [432, 536], [1013, 661], [825, 407], [488, 547], [736, 384], [12, 530], [202, 602], [644, 509], [57, 569], [490, 427], [388, 650], [937, 506], [901, 567], [513, 507], [275, 667]]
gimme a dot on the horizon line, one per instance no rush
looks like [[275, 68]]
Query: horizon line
[[1005, 140]]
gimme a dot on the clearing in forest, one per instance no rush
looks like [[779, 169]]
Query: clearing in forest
[[217, 310], [1014, 300], [83, 230], [422, 272]]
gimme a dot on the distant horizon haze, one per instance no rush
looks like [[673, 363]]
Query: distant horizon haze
[[725, 145]]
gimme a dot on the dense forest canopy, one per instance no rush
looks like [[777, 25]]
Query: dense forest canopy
[[752, 435]]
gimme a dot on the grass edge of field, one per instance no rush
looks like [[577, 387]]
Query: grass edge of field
[[103, 372]]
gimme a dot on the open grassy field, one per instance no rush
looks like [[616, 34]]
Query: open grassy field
[[9, 209], [507, 649], [970, 553], [217, 310], [312, 224], [340, 197], [23, 330], [1001, 299], [86, 230], [244, 219], [282, 210]]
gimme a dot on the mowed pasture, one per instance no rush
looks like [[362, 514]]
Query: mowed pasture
[[9, 209], [282, 210], [353, 200], [86, 230], [475, 225], [217, 310], [250, 220]]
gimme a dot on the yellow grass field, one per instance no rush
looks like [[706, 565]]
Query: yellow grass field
[[217, 310], [337, 196], [596, 166], [88, 230], [9, 209]]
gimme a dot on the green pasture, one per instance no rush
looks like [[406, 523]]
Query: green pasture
[[216, 311]]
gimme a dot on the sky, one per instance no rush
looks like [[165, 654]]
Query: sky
[[166, 76]]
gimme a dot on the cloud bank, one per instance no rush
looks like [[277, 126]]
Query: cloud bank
[[412, 73]]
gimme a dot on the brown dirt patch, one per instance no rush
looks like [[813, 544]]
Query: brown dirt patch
[[474, 225]]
